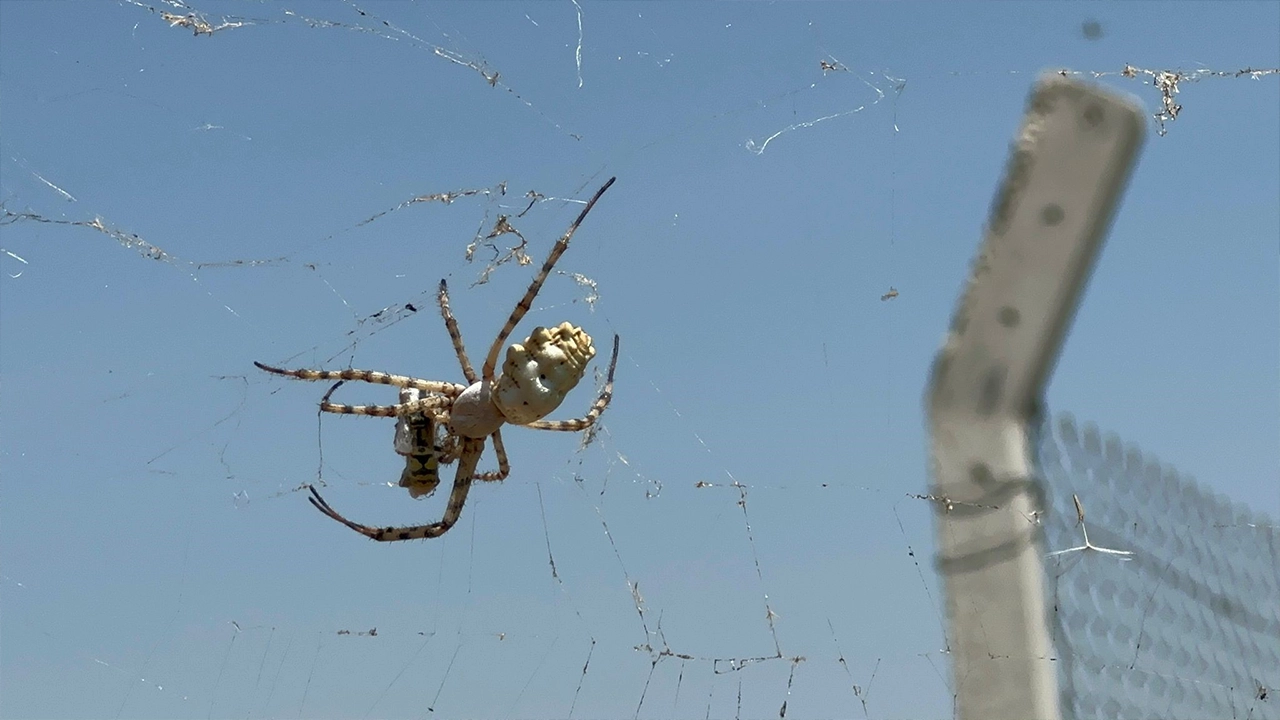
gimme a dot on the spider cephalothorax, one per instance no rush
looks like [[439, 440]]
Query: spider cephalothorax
[[440, 423]]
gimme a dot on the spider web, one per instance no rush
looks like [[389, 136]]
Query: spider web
[[187, 188]]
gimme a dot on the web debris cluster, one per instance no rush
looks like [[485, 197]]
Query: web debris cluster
[[1167, 82], [187, 17]]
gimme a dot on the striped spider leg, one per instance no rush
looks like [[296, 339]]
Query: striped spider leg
[[439, 423]]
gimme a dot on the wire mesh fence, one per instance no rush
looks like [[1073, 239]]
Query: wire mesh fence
[[1165, 596]]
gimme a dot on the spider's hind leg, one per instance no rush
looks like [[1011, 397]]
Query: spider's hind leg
[[471, 450], [504, 465]]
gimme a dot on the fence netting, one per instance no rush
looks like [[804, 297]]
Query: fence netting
[[1170, 607]]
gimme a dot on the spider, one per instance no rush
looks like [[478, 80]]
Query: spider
[[535, 378]]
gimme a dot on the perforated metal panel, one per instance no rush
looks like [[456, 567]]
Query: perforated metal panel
[[1188, 626]]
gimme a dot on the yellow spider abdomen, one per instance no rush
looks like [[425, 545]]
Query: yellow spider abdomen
[[541, 371]]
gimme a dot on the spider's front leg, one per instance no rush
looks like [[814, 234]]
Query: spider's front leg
[[455, 335], [374, 377], [411, 405], [471, 450], [526, 302]]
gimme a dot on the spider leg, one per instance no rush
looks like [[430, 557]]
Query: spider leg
[[447, 389], [450, 449], [597, 408], [522, 307], [414, 407], [339, 384], [504, 465], [461, 486], [451, 324]]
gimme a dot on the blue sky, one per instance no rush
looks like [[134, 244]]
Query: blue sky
[[157, 559]]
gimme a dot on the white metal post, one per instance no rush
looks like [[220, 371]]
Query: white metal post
[[1067, 169]]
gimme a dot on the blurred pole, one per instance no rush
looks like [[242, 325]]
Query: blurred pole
[[1068, 167]]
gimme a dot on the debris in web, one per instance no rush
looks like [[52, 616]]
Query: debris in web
[[535, 197], [911, 553], [129, 240], [859, 691], [653, 486], [948, 504], [1168, 83], [193, 20], [48, 183], [444, 198], [791, 677], [516, 252], [398, 33], [582, 678], [19, 258], [758, 147], [577, 53], [755, 556], [593, 290], [126, 239], [1085, 532]]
